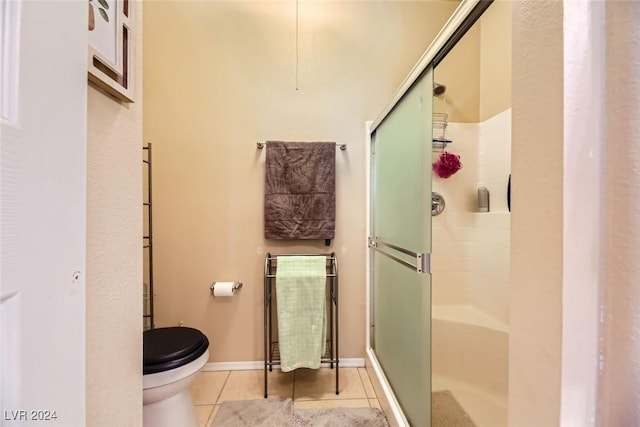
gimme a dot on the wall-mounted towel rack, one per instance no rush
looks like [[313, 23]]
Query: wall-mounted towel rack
[[271, 348], [261, 145], [147, 244]]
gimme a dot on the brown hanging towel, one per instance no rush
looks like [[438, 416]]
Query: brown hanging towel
[[300, 190]]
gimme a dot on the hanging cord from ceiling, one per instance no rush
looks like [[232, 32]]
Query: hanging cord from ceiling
[[297, 41]]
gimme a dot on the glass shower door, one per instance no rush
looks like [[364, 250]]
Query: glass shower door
[[400, 243]]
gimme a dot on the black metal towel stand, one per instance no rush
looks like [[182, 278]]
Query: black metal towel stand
[[271, 348]]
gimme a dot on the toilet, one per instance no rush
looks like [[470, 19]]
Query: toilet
[[172, 357]]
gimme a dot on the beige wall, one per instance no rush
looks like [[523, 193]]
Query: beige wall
[[609, 51], [114, 255], [218, 77], [619, 396], [460, 72], [477, 72], [495, 59], [535, 341]]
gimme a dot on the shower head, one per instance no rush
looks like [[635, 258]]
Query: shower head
[[438, 89]]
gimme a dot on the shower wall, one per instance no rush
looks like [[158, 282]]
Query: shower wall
[[218, 77], [471, 273], [491, 259], [470, 248]]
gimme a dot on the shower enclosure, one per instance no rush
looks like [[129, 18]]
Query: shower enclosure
[[400, 242], [399, 274]]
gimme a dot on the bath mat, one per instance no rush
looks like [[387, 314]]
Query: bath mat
[[262, 412], [334, 417], [280, 413], [447, 412]]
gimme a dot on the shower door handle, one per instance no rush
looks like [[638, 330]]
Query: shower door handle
[[422, 259]]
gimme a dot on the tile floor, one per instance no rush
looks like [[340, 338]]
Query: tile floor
[[308, 388]]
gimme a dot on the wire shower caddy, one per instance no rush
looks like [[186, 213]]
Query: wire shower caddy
[[440, 140]]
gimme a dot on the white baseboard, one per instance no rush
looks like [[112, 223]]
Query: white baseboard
[[258, 364]]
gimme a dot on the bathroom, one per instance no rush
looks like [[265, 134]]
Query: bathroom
[[209, 175], [248, 85], [253, 85], [213, 147]]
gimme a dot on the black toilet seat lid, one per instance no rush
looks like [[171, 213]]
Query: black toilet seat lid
[[170, 348]]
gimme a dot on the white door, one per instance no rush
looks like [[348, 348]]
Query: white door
[[43, 108]]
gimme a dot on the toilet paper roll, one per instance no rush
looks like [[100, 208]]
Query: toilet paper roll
[[223, 289]]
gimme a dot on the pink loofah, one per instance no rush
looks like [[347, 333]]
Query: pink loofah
[[446, 165]]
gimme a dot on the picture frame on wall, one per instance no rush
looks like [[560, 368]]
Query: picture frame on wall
[[111, 56]]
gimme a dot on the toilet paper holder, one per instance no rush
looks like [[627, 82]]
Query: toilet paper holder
[[236, 286]]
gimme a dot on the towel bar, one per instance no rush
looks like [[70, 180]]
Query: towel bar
[[261, 145]]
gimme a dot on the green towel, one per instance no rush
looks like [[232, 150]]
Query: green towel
[[302, 317]]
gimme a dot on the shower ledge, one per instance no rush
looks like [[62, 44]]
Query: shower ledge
[[467, 314]]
